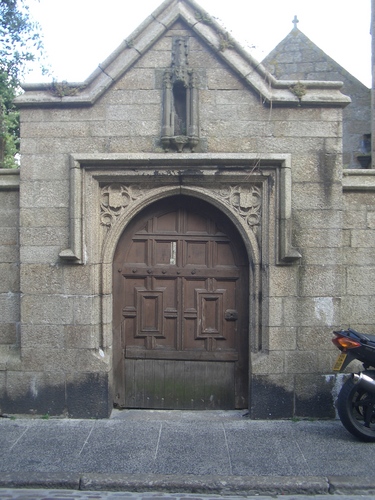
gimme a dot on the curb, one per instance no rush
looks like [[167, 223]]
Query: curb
[[219, 485]]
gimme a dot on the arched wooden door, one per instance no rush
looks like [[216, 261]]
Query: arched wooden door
[[181, 310]]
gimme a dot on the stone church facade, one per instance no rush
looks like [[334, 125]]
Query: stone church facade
[[181, 234]]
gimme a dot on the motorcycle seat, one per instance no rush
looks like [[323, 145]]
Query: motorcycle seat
[[366, 338]]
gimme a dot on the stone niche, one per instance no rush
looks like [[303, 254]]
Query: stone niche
[[180, 128]]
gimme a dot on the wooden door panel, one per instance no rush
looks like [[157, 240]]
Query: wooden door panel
[[223, 255], [194, 223], [180, 283], [150, 313], [196, 253], [138, 253], [166, 223], [195, 385]]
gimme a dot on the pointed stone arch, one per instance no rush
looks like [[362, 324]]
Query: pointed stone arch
[[222, 302]]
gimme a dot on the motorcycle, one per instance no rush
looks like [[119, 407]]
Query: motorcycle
[[356, 399]]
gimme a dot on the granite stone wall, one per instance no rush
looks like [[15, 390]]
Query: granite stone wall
[[76, 141]]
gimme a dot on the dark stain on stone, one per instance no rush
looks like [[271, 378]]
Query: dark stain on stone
[[86, 397]]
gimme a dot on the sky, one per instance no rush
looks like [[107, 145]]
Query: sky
[[80, 34]]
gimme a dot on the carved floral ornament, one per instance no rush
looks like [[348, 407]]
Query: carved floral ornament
[[247, 201], [116, 198]]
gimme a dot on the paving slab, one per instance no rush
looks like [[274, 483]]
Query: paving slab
[[211, 452]]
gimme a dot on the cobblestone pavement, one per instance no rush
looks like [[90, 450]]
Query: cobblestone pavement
[[18, 494], [31, 494]]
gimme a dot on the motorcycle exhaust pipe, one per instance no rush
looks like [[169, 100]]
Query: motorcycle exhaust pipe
[[364, 381]]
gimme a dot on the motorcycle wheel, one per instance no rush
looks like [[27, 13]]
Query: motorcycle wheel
[[356, 409]]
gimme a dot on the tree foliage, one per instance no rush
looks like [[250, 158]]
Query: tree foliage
[[20, 44]]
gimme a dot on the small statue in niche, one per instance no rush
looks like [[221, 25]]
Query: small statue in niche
[[180, 100]]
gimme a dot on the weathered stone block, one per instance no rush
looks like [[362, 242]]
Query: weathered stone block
[[9, 200], [40, 336], [272, 397], [275, 311], [86, 310], [88, 395], [357, 310], [283, 281], [82, 336], [9, 236], [272, 362], [44, 217], [360, 280], [42, 279], [370, 219], [317, 218], [44, 194], [158, 58], [81, 279], [327, 359], [9, 253], [356, 256], [49, 236], [305, 168], [34, 393], [47, 309], [9, 307], [319, 311], [40, 255], [355, 219], [301, 362], [315, 338], [362, 238], [133, 128], [320, 281], [319, 197], [282, 338], [9, 281], [36, 167], [137, 79], [314, 396], [107, 306], [290, 311], [56, 129], [45, 359], [316, 255], [121, 112], [346, 238], [226, 145], [8, 334], [314, 237]]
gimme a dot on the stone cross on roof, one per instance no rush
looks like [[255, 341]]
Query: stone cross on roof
[[295, 21]]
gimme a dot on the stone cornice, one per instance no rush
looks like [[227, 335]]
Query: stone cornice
[[9, 179], [358, 180]]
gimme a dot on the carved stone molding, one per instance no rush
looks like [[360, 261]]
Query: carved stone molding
[[247, 201], [114, 199], [104, 187]]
